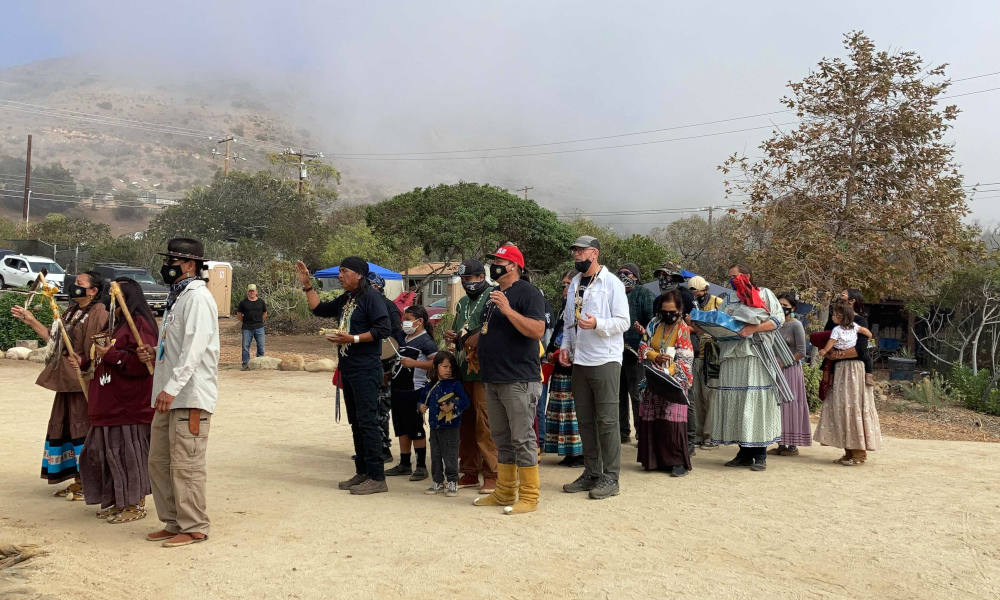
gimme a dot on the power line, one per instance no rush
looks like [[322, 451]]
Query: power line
[[110, 117], [646, 211]]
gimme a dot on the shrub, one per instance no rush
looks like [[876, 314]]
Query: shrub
[[931, 392], [12, 329], [812, 376], [444, 324], [970, 390]]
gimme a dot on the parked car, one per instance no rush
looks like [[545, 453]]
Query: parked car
[[436, 309], [4, 253], [156, 294], [19, 270]]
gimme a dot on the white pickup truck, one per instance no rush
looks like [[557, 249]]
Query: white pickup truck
[[19, 270]]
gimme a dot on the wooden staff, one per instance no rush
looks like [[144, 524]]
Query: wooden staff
[[116, 293]]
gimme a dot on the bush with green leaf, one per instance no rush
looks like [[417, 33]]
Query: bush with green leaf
[[812, 375], [971, 390], [11, 329], [931, 392]]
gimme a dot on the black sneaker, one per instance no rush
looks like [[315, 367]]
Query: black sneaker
[[740, 461], [399, 469], [678, 471], [758, 464], [605, 488], [419, 474], [583, 483]]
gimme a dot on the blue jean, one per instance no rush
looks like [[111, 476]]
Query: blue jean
[[252, 334]]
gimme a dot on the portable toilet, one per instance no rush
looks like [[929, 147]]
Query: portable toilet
[[220, 283]]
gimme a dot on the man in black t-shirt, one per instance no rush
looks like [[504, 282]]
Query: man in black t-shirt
[[509, 350], [252, 312]]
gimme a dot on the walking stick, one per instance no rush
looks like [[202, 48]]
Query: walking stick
[[116, 293]]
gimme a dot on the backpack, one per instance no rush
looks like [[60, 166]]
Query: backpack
[[710, 354]]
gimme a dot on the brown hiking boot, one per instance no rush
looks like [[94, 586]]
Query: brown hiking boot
[[353, 481], [369, 486]]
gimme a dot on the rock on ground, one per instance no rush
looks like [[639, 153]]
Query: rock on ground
[[38, 355], [29, 344], [18, 353], [265, 363], [321, 365], [292, 363]]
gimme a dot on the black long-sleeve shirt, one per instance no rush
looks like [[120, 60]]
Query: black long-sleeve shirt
[[370, 315]]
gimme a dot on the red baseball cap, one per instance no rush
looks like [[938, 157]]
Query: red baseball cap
[[510, 253]]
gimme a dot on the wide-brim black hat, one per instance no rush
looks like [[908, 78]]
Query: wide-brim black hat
[[185, 248]]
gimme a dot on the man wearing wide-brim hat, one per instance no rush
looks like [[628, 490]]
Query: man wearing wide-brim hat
[[185, 391]]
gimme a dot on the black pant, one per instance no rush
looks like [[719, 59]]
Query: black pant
[[384, 404], [361, 377], [444, 454], [628, 392]]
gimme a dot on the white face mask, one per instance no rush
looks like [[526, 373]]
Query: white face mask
[[409, 327]]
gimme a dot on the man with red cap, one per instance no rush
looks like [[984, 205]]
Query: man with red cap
[[509, 352]]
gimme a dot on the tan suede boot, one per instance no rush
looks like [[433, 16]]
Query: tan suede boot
[[506, 491], [527, 492]]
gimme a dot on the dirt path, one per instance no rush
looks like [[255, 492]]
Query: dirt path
[[921, 520]]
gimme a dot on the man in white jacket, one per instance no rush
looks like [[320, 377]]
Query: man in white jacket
[[185, 390], [593, 344]]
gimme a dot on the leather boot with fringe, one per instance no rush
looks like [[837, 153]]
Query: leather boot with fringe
[[506, 491], [527, 500]]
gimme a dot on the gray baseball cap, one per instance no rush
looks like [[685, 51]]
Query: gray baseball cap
[[586, 241]]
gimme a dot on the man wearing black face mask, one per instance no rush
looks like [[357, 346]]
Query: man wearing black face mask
[[640, 310], [509, 348], [477, 454], [592, 343], [186, 389], [670, 279]]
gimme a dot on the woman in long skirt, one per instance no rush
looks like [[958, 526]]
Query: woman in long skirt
[[849, 419], [796, 430], [663, 409], [68, 422], [562, 432], [746, 409], [114, 461]]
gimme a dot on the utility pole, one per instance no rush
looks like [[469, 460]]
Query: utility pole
[[303, 172], [27, 180], [228, 140], [525, 190], [710, 208]]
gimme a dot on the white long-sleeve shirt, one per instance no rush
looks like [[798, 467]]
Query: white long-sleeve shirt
[[187, 360], [605, 299]]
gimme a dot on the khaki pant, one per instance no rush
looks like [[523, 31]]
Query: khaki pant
[[595, 394], [177, 470], [476, 450]]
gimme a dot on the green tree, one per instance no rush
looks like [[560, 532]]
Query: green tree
[[469, 220], [68, 231], [616, 250], [320, 180], [244, 206], [702, 248], [357, 239], [864, 191]]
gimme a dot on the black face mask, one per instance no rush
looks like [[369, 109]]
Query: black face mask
[[497, 271], [583, 265], [77, 291], [702, 300], [788, 311], [170, 273], [474, 288], [627, 280], [669, 316], [667, 284]]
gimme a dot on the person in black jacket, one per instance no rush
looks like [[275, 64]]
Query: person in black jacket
[[364, 322]]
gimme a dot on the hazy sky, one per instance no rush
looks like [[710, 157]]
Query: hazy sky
[[383, 77]]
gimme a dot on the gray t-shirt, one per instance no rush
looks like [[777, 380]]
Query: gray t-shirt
[[794, 335]]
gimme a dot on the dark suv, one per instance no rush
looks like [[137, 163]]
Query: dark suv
[[156, 294]]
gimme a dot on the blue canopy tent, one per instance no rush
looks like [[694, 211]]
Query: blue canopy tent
[[332, 272]]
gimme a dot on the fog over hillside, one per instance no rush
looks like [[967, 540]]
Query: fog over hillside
[[506, 81]]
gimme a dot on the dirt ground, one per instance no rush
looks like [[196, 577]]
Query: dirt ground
[[920, 520]]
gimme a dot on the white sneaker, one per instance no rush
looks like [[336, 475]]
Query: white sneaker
[[436, 488], [452, 489]]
